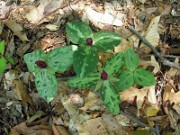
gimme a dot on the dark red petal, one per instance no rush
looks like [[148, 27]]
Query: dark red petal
[[89, 41], [104, 75], [41, 64]]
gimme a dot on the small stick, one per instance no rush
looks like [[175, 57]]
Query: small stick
[[140, 123], [146, 42]]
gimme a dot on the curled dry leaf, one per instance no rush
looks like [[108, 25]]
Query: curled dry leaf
[[122, 46], [90, 100], [17, 29], [174, 72], [153, 63], [99, 19], [173, 97], [152, 34], [21, 91], [130, 94]]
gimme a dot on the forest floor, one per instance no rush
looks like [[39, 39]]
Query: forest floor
[[27, 25]]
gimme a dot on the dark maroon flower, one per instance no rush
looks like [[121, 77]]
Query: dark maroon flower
[[89, 41], [104, 75], [41, 64]]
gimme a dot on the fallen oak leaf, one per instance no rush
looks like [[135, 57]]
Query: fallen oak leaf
[[21, 91], [152, 34], [173, 97], [17, 29]]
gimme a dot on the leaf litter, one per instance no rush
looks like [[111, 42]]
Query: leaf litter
[[30, 25]]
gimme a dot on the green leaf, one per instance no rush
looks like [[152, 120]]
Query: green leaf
[[78, 32], [90, 81], [106, 40], [113, 64], [141, 131], [126, 80], [110, 97], [85, 61], [144, 77], [2, 46], [31, 58], [60, 58], [2, 64], [10, 60], [46, 84], [131, 59]]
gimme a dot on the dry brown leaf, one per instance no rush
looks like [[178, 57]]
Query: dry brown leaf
[[140, 94], [92, 127], [36, 13], [112, 125], [130, 94], [152, 34], [21, 91], [5, 10], [99, 19], [22, 129], [90, 100], [164, 9], [17, 29], [173, 72], [173, 97], [122, 46], [104, 56], [59, 130], [153, 63]]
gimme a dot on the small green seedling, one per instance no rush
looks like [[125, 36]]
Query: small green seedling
[[110, 84], [86, 57], [3, 59], [44, 66]]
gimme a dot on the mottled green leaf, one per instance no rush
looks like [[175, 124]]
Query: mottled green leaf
[[113, 64], [110, 97], [144, 77], [78, 32], [46, 84], [131, 59], [106, 40], [126, 80], [2, 47], [60, 58], [90, 81], [85, 61], [2, 64], [31, 58]]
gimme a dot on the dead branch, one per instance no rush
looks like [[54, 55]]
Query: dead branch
[[147, 43], [140, 123]]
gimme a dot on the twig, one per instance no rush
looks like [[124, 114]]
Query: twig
[[146, 42], [140, 123], [171, 56]]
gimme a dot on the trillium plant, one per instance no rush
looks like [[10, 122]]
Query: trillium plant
[[44, 66], [89, 43], [118, 73], [110, 82]]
